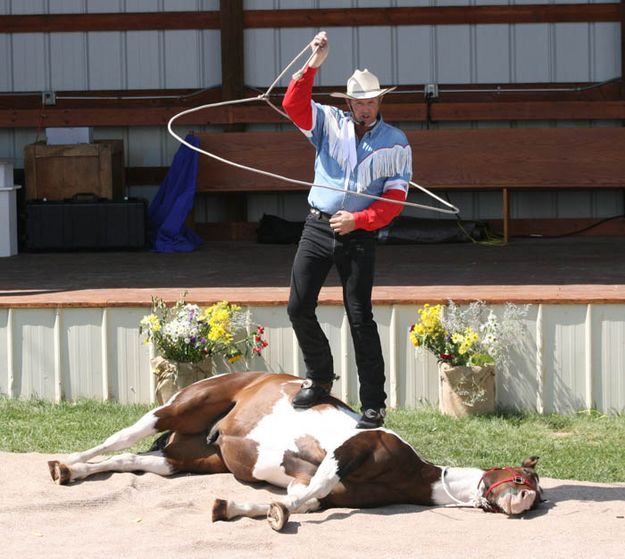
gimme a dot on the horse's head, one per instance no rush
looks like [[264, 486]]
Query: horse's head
[[511, 490]]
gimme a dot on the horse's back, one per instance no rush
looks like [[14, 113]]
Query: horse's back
[[197, 407]]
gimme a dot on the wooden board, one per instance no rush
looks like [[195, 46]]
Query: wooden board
[[285, 153], [459, 158], [519, 157]]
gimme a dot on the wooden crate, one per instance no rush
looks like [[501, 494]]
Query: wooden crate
[[59, 172]]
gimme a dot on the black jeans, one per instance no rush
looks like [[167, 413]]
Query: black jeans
[[354, 256]]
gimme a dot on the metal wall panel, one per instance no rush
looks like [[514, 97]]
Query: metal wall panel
[[6, 62], [572, 59], [571, 357], [564, 335], [280, 356], [519, 386], [143, 5], [415, 63], [106, 62], [66, 6], [81, 355], [399, 55], [104, 6], [451, 54], [128, 357], [33, 353], [31, 62], [492, 54], [608, 358], [27, 6], [417, 374], [6, 358], [68, 61], [605, 50], [144, 59]]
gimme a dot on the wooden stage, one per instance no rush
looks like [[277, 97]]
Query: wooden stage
[[537, 270], [69, 321]]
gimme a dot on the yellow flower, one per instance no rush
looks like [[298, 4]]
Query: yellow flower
[[457, 338], [218, 333], [430, 317], [414, 339], [218, 317], [152, 322], [471, 335]]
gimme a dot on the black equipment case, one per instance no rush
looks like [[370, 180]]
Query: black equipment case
[[85, 222]]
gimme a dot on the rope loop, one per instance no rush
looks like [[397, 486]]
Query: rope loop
[[265, 97]]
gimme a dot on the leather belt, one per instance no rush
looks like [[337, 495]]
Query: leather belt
[[323, 216]]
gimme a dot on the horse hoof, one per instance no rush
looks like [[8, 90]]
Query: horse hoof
[[60, 472], [220, 510], [277, 516]]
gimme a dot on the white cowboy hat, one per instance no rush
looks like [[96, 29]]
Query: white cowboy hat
[[362, 84]]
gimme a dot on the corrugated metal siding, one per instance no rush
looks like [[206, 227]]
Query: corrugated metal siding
[[81, 354], [571, 357], [608, 352], [399, 55]]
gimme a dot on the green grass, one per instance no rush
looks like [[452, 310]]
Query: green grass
[[587, 447], [40, 426]]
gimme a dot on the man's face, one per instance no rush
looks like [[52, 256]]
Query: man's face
[[365, 111]]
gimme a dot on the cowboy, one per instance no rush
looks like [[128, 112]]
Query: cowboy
[[356, 153]]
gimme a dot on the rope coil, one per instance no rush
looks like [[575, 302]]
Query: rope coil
[[265, 97]]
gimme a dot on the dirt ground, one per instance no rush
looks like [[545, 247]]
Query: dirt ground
[[146, 516]]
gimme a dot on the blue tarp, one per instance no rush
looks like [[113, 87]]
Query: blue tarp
[[173, 202]]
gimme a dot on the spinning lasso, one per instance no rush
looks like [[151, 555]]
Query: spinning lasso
[[265, 97]]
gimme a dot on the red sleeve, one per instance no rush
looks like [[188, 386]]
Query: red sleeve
[[298, 97], [380, 214]]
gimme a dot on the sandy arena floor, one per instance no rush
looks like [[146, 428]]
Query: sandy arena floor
[[146, 516]]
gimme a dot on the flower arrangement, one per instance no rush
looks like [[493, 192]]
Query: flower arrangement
[[187, 333], [467, 337]]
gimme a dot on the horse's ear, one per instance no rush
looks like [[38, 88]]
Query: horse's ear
[[530, 462]]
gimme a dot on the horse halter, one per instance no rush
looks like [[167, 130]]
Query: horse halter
[[515, 477]]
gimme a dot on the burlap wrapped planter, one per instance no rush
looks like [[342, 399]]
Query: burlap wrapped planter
[[466, 390], [171, 376]]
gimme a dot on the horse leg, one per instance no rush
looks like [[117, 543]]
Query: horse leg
[[153, 462], [305, 498], [227, 510], [192, 410], [145, 427], [183, 453], [302, 496], [322, 482]]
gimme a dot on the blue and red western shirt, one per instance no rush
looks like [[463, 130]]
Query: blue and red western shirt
[[379, 164]]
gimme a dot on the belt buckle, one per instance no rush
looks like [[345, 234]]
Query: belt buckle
[[315, 212]]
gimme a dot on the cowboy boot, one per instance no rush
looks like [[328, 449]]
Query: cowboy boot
[[371, 418], [311, 393]]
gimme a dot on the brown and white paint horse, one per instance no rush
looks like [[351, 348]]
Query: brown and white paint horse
[[244, 423]]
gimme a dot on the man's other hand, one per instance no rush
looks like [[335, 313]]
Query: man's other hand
[[343, 222]]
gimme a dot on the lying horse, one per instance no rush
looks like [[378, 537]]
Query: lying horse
[[244, 423]]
